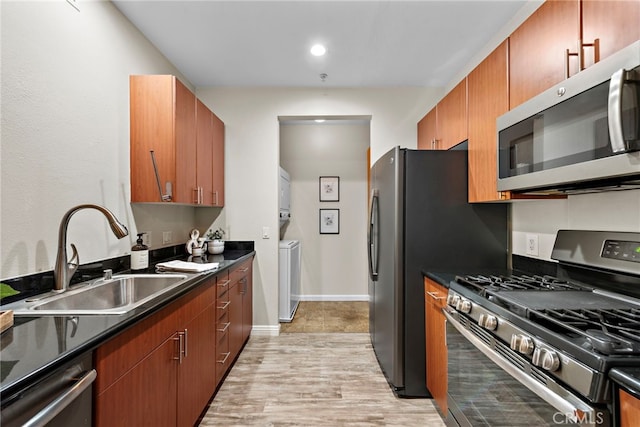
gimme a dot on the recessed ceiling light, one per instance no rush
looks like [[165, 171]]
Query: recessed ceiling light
[[319, 120], [318, 50]]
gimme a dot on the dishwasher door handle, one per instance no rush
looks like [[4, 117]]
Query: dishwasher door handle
[[65, 399]]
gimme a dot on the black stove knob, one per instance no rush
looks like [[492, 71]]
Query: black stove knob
[[546, 359]]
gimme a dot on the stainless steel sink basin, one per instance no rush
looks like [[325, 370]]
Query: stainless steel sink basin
[[118, 295]]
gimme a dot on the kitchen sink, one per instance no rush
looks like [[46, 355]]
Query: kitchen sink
[[117, 295]]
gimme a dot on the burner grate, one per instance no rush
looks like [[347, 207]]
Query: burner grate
[[610, 331], [493, 283]]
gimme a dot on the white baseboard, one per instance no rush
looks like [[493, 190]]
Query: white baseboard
[[266, 330], [334, 297]]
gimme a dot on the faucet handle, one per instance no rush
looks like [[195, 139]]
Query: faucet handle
[[74, 262]]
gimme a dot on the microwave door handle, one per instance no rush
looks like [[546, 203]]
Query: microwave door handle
[[614, 112]]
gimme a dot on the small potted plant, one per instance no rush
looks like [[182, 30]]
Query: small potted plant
[[216, 244]]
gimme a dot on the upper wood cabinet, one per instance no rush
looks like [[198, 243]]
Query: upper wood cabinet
[[538, 49], [615, 24], [446, 124], [163, 122], [204, 155], [218, 161], [563, 37], [185, 139], [427, 137], [452, 117], [488, 99]]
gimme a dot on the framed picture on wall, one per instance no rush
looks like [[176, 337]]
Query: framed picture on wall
[[329, 221], [329, 188]]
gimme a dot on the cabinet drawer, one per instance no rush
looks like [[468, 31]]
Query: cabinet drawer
[[240, 271], [223, 357], [222, 326], [196, 301], [222, 307], [435, 294], [222, 285]]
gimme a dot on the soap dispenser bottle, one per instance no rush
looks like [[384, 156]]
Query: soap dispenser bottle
[[139, 255]]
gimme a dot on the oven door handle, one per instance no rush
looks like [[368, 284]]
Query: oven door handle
[[567, 403], [61, 402]]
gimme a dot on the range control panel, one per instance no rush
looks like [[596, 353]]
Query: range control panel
[[622, 250]]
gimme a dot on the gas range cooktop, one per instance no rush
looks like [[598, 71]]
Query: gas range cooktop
[[606, 323]]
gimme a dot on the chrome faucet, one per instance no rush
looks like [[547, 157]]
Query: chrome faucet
[[64, 269]]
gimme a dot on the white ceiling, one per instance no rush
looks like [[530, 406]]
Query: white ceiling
[[369, 43]]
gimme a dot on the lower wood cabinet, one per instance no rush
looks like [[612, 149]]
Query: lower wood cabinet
[[436, 342], [197, 368], [164, 370], [629, 409], [240, 309]]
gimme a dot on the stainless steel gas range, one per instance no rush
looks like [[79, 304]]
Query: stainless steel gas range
[[527, 349]]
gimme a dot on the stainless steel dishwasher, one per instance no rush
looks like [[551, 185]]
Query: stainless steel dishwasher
[[62, 398]]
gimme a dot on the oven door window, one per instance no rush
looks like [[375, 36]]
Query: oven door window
[[482, 394]]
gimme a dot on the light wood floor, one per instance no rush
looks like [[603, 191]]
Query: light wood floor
[[313, 379]]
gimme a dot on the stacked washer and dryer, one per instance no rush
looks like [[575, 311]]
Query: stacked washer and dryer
[[289, 257]]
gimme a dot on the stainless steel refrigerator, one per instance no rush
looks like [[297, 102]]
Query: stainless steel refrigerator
[[420, 221]]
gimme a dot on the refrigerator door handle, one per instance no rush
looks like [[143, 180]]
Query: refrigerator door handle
[[372, 237]]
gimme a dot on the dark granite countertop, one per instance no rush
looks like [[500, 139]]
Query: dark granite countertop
[[627, 378], [442, 278], [34, 346]]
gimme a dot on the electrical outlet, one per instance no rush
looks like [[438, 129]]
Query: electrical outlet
[[532, 244], [146, 238], [166, 237]]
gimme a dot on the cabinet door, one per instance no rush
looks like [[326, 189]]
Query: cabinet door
[[218, 162], [196, 373], [185, 130], [436, 347], [247, 307], [538, 49], [488, 99], [629, 409], [223, 303], [615, 24], [162, 120], [151, 116], [427, 138], [235, 317], [452, 117], [204, 153], [139, 398]]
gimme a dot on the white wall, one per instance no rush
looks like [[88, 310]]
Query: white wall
[[65, 131], [334, 266], [612, 211]]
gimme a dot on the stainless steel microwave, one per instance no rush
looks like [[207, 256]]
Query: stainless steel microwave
[[582, 135]]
